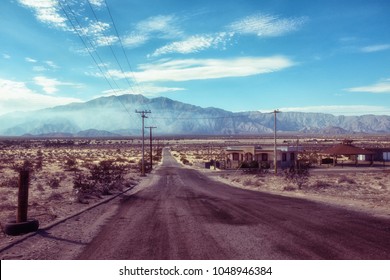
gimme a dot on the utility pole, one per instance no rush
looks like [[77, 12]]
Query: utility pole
[[150, 142], [275, 151], [143, 115]]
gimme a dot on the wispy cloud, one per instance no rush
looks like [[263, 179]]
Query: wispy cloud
[[16, 96], [346, 110], [49, 12], [51, 64], [149, 90], [97, 3], [380, 87], [42, 66], [375, 48], [46, 11], [195, 44], [267, 25], [161, 27], [49, 85], [31, 60], [202, 69], [98, 33]]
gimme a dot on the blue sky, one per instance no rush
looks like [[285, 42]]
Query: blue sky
[[309, 55]]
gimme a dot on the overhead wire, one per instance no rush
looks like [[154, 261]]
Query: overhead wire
[[93, 48], [140, 90]]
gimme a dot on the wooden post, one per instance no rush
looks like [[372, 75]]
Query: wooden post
[[24, 178]]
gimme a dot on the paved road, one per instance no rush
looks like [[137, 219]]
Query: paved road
[[185, 215]]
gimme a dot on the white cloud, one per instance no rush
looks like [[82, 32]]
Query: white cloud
[[135, 40], [31, 60], [51, 64], [97, 3], [46, 11], [162, 27], [347, 110], [195, 44], [97, 32], [39, 68], [166, 25], [50, 86], [16, 96], [149, 90], [6, 56], [266, 25], [380, 87], [375, 48], [201, 69]]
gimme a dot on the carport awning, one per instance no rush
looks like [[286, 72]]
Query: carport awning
[[346, 149]]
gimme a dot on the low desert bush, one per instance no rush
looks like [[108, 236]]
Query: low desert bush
[[247, 182], [297, 176], [289, 188], [319, 184], [12, 182], [345, 179], [54, 183], [103, 178]]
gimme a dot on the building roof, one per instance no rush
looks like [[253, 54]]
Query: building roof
[[346, 149]]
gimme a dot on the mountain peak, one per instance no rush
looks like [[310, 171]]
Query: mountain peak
[[111, 114]]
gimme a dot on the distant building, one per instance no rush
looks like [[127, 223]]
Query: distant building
[[347, 149], [239, 155]]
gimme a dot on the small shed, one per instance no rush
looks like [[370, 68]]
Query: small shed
[[347, 149]]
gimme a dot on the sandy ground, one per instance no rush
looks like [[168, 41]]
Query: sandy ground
[[365, 190]]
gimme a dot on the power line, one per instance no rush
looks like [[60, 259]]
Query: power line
[[125, 54], [112, 50], [84, 42], [121, 44]]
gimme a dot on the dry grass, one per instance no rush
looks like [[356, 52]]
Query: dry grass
[[54, 167]]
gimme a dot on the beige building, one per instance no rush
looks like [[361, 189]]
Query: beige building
[[238, 156]]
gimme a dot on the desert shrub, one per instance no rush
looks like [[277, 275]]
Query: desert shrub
[[40, 188], [185, 161], [12, 182], [54, 183], [259, 183], [56, 196], [107, 176], [71, 164], [345, 179], [321, 185], [297, 176], [289, 188], [25, 165], [247, 182], [252, 164]]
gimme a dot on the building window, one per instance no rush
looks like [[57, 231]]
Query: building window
[[292, 156], [236, 156], [284, 157], [264, 157]]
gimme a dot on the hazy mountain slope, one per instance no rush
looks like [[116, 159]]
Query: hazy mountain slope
[[116, 114]]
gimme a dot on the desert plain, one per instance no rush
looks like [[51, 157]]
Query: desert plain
[[69, 175]]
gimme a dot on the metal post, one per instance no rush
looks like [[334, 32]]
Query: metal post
[[24, 179]]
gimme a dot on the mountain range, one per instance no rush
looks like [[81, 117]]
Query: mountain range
[[117, 116]]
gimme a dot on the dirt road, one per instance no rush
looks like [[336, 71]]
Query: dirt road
[[186, 215]]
